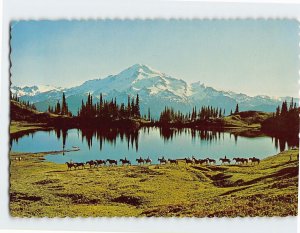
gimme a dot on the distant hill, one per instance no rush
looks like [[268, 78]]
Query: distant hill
[[246, 119], [20, 112], [156, 90]]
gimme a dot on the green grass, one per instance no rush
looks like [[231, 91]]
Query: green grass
[[247, 119], [39, 188], [23, 126]]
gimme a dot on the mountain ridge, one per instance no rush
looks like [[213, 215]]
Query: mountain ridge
[[153, 87]]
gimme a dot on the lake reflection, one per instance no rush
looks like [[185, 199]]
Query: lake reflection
[[153, 142]]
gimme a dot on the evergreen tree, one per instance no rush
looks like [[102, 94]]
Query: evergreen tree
[[166, 116], [82, 108], [133, 108], [128, 106], [284, 108], [137, 106], [291, 104], [58, 110], [277, 111], [193, 115], [149, 114], [100, 105], [91, 108], [236, 109], [220, 113], [64, 107], [122, 111]]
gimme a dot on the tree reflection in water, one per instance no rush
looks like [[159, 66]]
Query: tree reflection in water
[[205, 135], [110, 135]]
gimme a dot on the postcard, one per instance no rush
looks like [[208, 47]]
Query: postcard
[[154, 118]]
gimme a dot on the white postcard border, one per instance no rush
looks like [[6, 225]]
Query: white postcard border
[[95, 9]]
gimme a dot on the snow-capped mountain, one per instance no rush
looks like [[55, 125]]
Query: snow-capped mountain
[[33, 90], [156, 90]]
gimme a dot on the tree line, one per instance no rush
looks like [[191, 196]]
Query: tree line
[[60, 109], [110, 109], [169, 115], [105, 109], [285, 120]]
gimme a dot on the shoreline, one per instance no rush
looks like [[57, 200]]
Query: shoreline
[[18, 154], [46, 189], [23, 127], [18, 128]]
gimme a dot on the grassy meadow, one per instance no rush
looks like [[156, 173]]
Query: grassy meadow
[[40, 188], [246, 120], [20, 127]]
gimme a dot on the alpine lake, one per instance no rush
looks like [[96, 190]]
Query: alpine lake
[[146, 142]]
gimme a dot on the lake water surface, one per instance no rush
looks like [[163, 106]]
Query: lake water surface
[[153, 142]]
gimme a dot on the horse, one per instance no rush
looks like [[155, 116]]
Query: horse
[[188, 160], [173, 161], [70, 165], [199, 161], [225, 160], [140, 160], [238, 160], [211, 161], [112, 162], [162, 160], [100, 162], [148, 160], [91, 163], [244, 161], [196, 161], [77, 165], [254, 160], [125, 161]]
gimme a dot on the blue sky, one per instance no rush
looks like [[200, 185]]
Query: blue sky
[[248, 56]]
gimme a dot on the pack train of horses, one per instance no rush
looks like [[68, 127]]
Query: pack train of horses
[[162, 161]]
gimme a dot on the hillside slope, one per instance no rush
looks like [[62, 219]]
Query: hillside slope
[[267, 189], [19, 112], [25, 119], [249, 119]]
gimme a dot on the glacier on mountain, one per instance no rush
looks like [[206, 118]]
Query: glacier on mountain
[[156, 90]]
